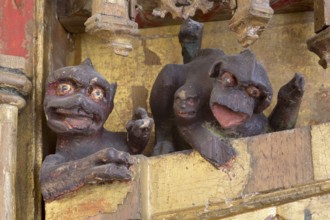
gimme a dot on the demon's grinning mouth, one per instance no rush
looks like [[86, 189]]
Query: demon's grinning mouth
[[186, 114], [72, 112], [228, 118], [73, 118]]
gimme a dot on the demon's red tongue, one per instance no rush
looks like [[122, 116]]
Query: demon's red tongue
[[226, 117], [78, 122]]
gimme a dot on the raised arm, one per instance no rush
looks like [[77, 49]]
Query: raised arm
[[284, 115], [138, 131]]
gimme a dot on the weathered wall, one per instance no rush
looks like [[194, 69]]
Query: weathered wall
[[282, 50]]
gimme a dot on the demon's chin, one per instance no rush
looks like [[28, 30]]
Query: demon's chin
[[228, 118]]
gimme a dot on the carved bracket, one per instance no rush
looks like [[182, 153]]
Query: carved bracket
[[182, 8], [320, 44], [250, 20]]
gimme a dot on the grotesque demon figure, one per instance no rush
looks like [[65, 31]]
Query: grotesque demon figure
[[215, 97], [78, 101]]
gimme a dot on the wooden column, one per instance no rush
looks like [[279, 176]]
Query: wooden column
[[8, 150], [14, 86]]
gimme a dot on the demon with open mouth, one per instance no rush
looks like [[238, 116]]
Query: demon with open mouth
[[77, 102], [215, 97]]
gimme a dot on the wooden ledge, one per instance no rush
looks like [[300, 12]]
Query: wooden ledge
[[270, 169]]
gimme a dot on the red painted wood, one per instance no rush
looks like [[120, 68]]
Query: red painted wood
[[16, 26]]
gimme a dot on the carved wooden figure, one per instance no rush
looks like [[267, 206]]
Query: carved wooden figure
[[78, 101], [215, 97]]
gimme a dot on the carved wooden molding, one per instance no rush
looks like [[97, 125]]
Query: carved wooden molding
[[14, 85], [250, 20]]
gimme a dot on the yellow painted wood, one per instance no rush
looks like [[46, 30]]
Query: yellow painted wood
[[315, 208], [182, 181], [184, 185], [320, 151], [91, 201]]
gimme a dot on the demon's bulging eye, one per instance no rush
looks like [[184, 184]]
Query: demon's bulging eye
[[253, 91], [64, 88], [227, 79], [97, 93]]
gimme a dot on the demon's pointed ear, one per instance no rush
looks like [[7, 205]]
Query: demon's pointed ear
[[113, 89], [215, 69], [88, 62]]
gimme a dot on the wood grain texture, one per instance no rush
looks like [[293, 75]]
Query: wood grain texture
[[280, 160]]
